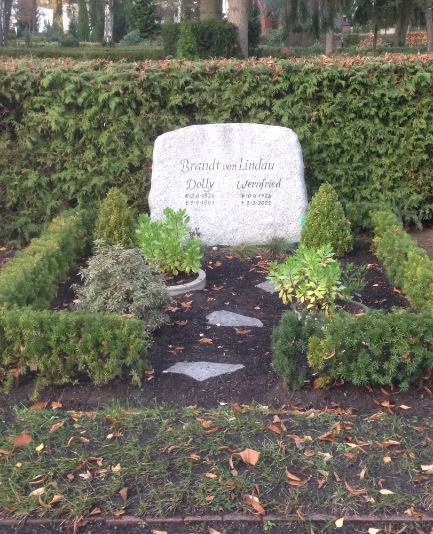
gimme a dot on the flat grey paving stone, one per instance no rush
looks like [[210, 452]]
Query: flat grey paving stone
[[226, 318], [268, 287], [203, 370]]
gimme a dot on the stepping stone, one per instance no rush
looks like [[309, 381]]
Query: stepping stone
[[203, 370], [226, 318], [268, 287]]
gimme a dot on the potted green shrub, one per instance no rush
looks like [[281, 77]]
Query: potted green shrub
[[170, 249]]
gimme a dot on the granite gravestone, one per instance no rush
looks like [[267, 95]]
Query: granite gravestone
[[240, 183]]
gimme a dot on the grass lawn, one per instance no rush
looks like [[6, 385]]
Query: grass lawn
[[167, 461]]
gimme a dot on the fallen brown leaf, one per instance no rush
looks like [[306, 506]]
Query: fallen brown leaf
[[124, 493], [210, 475], [355, 491], [56, 426], [254, 502], [250, 456], [55, 405], [39, 406], [206, 341], [275, 428], [291, 476], [242, 331], [22, 440]]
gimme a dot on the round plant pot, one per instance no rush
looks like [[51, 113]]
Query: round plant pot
[[196, 285]]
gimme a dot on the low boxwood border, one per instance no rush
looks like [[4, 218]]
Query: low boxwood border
[[375, 348], [61, 346]]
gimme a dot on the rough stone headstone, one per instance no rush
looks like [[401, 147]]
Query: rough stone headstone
[[227, 318], [240, 183], [203, 370]]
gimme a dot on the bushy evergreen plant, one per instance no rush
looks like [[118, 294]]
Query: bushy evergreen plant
[[115, 225], [290, 345], [327, 223], [118, 280]]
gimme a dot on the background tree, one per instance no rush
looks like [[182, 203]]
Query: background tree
[[83, 21], [142, 17], [5, 17], [404, 10], [378, 13], [26, 15], [429, 27], [96, 18], [238, 15], [108, 22]]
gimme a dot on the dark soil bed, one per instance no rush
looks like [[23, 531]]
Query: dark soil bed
[[231, 286]]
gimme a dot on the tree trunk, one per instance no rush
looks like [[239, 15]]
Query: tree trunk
[[329, 23], [5, 17], [238, 15], [329, 42], [58, 15], [429, 26], [375, 32], [108, 22], [404, 11]]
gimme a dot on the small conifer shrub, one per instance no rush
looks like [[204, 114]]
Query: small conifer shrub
[[115, 224], [290, 344], [118, 280], [326, 223]]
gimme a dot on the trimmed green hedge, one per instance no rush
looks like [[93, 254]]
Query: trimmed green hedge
[[376, 348], [31, 278], [60, 346], [127, 53], [72, 130], [407, 264]]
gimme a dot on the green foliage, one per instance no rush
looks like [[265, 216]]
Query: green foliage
[[115, 224], [32, 276], [170, 35], [167, 244], [61, 346], [83, 21], [187, 43], [215, 38], [69, 41], [326, 223], [407, 264], [313, 277], [279, 247], [244, 250], [254, 30], [70, 130], [118, 280], [131, 39], [142, 16], [375, 348], [200, 39], [290, 345], [86, 53]]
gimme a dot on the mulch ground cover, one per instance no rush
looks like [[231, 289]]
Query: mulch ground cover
[[188, 337]]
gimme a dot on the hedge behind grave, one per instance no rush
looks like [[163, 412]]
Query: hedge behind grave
[[70, 130]]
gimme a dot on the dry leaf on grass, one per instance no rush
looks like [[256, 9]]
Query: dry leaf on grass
[[249, 456], [56, 426], [355, 491], [39, 406], [124, 493], [254, 502], [22, 440]]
